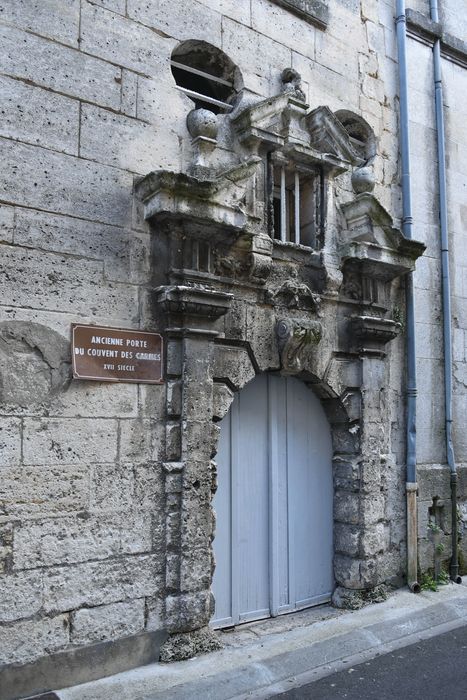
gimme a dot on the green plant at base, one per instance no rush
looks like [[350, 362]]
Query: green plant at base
[[428, 583], [443, 577]]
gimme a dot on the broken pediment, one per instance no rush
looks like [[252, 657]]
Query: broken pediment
[[328, 136], [272, 122], [371, 239], [285, 124]]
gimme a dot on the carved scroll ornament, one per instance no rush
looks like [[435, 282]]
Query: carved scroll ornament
[[297, 338]]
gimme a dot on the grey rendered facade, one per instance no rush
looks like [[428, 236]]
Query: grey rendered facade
[[117, 212]]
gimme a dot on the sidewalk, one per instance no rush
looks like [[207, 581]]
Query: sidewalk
[[265, 658]]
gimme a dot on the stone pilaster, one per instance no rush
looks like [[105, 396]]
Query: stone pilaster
[[191, 318], [361, 544]]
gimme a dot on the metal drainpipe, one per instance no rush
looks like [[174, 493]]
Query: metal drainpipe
[[407, 224], [446, 289]]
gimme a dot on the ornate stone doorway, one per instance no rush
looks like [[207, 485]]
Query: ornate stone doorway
[[274, 503]]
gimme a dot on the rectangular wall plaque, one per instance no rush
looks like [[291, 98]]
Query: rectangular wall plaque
[[116, 354]]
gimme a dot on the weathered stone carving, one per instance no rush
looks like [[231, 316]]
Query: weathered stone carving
[[371, 239], [363, 180], [296, 339], [199, 301], [329, 136], [370, 334], [294, 294], [227, 265], [203, 127], [34, 363], [352, 286], [292, 83]]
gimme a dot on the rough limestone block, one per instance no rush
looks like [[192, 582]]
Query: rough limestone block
[[58, 67], [372, 509], [112, 487], [69, 441], [337, 55], [62, 283], [98, 583], [100, 400], [6, 546], [165, 108], [284, 27], [64, 184], [26, 492], [114, 5], [119, 40], [329, 86], [114, 139], [152, 399], [45, 17], [233, 363], [347, 571], [261, 333], [149, 490], [20, 595], [189, 611], [375, 540], [374, 89], [222, 400], [155, 613], [260, 60], [459, 432], [38, 116], [141, 440], [74, 540], [10, 441], [430, 345], [171, 18], [346, 539], [124, 253], [28, 640], [7, 223], [236, 9], [129, 92], [107, 622], [346, 507]]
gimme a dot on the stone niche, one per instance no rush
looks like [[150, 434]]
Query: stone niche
[[257, 267]]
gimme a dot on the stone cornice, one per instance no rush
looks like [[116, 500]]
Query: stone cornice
[[419, 26], [313, 11]]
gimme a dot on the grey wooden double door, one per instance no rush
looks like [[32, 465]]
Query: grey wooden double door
[[274, 539]]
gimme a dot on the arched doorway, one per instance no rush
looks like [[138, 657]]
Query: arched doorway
[[274, 532]]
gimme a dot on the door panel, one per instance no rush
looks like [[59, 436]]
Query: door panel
[[273, 543], [251, 484]]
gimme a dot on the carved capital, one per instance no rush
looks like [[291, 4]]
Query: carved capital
[[297, 338], [193, 301], [370, 334]]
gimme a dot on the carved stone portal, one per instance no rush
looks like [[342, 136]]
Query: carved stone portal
[[236, 301]]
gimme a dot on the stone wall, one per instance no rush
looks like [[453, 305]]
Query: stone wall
[[89, 106], [434, 480]]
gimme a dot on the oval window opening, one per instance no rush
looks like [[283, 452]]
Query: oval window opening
[[206, 75]]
